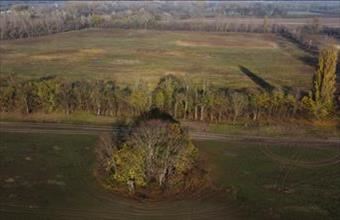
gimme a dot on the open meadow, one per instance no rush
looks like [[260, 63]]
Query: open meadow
[[50, 176], [225, 59]]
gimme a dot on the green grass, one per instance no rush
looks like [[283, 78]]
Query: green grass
[[51, 177], [42, 170], [302, 130], [130, 55], [274, 181], [58, 117]]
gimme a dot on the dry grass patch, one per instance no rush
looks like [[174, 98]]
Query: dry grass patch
[[159, 52], [72, 55], [125, 62], [230, 41]]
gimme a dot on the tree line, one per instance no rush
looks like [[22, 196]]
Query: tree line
[[23, 21], [26, 24], [177, 96]]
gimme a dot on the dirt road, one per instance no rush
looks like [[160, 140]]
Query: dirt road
[[57, 128]]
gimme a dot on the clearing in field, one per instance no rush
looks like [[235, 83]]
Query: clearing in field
[[130, 55]]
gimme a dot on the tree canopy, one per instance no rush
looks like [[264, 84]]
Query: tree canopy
[[156, 152]]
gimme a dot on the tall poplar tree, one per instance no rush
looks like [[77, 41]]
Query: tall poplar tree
[[322, 103]]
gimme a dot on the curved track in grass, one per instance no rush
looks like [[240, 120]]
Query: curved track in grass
[[57, 128], [80, 196], [103, 205]]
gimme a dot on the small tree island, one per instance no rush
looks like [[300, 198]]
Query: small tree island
[[153, 157]]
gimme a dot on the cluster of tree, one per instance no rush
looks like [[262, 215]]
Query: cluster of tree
[[24, 21], [177, 97], [154, 152], [310, 37], [257, 9], [29, 22]]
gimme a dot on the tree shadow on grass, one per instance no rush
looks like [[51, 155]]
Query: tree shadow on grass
[[155, 114], [258, 80], [309, 60]]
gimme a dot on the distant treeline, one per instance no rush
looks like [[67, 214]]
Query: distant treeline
[[25, 22], [176, 96], [22, 21]]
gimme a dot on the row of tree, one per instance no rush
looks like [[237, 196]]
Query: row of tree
[[177, 96], [23, 22]]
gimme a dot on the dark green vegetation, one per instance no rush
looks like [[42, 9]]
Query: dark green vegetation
[[279, 180], [51, 177], [267, 181], [127, 56]]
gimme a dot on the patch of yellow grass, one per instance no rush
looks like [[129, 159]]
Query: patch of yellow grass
[[174, 53], [227, 44], [45, 57], [15, 55], [74, 55], [92, 51], [125, 62], [160, 52]]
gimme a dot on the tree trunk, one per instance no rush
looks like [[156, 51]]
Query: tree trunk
[[185, 109], [98, 110], [235, 117], [131, 186], [117, 111], [162, 177], [196, 113], [27, 108], [202, 113], [211, 116], [175, 109]]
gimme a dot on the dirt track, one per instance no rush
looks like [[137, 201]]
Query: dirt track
[[56, 128], [118, 208]]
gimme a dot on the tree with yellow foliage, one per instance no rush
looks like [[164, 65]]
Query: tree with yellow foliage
[[321, 99]]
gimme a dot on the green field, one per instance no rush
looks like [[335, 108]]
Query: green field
[[279, 181], [130, 55], [50, 177]]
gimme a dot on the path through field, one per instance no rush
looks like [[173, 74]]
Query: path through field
[[49, 176], [56, 128]]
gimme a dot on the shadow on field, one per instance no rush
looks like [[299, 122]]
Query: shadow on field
[[258, 80], [309, 60]]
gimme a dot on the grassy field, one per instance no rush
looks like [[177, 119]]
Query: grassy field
[[131, 55], [59, 117], [279, 181], [315, 129], [50, 177]]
